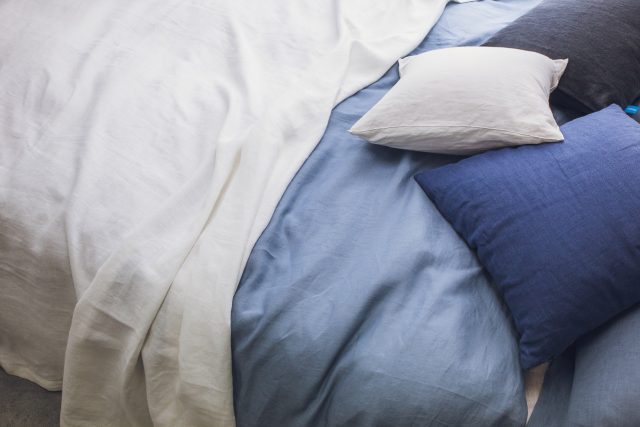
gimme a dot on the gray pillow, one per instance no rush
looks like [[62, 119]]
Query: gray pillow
[[606, 382], [601, 38]]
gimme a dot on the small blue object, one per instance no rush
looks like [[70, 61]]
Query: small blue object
[[632, 109]]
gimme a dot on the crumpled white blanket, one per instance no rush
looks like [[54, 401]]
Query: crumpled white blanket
[[143, 148]]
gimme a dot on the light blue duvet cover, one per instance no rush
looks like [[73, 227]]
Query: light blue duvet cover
[[359, 305]]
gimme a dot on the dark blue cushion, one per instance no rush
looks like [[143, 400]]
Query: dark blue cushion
[[556, 226]]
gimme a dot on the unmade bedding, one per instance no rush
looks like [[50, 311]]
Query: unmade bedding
[[143, 148], [360, 305]]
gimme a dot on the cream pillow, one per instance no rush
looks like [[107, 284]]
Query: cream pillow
[[464, 100]]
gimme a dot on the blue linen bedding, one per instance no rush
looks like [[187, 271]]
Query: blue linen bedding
[[359, 304]]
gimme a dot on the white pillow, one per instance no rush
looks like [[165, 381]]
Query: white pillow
[[464, 100]]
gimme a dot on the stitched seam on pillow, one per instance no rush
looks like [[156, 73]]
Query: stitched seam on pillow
[[456, 126]]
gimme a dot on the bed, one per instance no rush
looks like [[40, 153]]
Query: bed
[[330, 327], [141, 182]]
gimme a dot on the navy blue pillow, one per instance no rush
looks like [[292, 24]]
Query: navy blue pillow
[[556, 226], [601, 38]]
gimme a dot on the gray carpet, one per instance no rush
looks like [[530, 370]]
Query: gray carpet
[[24, 404]]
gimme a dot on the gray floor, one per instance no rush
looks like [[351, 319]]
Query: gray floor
[[24, 404]]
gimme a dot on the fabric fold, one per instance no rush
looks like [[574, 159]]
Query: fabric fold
[[145, 149]]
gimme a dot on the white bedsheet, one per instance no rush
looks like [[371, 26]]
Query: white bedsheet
[[143, 147]]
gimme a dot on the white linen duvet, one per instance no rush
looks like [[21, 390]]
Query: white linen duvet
[[143, 147]]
